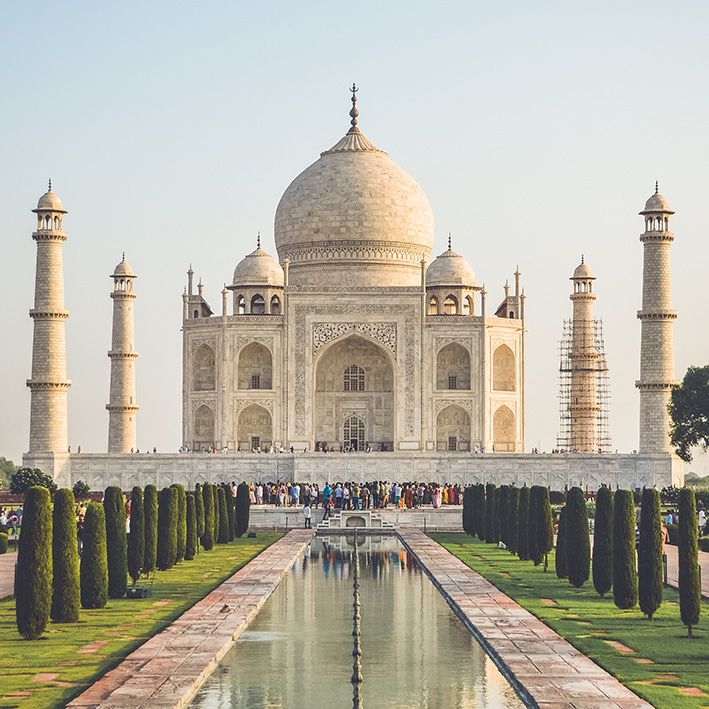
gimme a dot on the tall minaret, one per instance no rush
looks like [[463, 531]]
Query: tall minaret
[[122, 407], [49, 384], [583, 401], [657, 359]]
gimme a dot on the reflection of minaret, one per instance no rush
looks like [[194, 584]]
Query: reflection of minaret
[[122, 406], [657, 372], [49, 385]]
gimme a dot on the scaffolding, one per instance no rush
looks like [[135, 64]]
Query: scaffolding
[[571, 363]]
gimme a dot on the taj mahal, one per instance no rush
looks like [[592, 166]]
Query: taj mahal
[[355, 353]]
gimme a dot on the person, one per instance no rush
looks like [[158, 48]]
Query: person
[[702, 521], [327, 506], [307, 514], [665, 538]]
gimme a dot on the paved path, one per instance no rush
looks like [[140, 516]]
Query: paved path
[[673, 569], [169, 668], [549, 671], [7, 573]]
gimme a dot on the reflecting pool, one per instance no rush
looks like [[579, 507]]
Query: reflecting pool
[[297, 653]]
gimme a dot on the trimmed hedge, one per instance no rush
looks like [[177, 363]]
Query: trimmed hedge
[[217, 511], [243, 506], [94, 560], [116, 541], [33, 570], [625, 575], [650, 554], [560, 559], [602, 566], [181, 522], [231, 507], [466, 510], [523, 524], [208, 500], [503, 513], [690, 590], [199, 511], [150, 514], [513, 524], [223, 517], [191, 544], [66, 587], [490, 513], [578, 544], [480, 515], [167, 528], [136, 536], [541, 529], [497, 524], [4, 541]]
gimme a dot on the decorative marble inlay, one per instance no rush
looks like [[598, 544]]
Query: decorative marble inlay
[[325, 332]]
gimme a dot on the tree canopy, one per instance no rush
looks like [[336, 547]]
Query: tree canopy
[[689, 411]]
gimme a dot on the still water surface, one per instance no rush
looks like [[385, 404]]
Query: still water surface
[[297, 653]]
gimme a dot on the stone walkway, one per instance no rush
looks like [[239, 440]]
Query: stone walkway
[[547, 671], [168, 669], [673, 569], [7, 573]]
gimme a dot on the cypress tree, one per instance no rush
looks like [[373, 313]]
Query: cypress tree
[[560, 557], [625, 576], [199, 511], [503, 513], [490, 513], [690, 591], [231, 507], [208, 499], [466, 510], [514, 519], [223, 517], [243, 505], [497, 522], [150, 513], [167, 528], [481, 516], [94, 561], [217, 512], [541, 530], [66, 589], [191, 520], [650, 554], [116, 541], [136, 536], [33, 571], [578, 544], [181, 522], [523, 525], [602, 566]]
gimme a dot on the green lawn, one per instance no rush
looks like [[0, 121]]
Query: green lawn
[[660, 663], [48, 672]]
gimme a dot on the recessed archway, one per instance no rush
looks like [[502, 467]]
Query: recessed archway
[[203, 429], [255, 367], [254, 428], [203, 369], [503, 429], [453, 429], [453, 367], [503, 369]]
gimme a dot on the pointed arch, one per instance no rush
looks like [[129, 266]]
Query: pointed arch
[[255, 367], [258, 305], [453, 367], [503, 429], [204, 369], [503, 369], [203, 428], [450, 305], [275, 305], [453, 429], [433, 305], [255, 428]]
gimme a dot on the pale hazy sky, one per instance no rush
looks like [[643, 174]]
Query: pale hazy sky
[[171, 129]]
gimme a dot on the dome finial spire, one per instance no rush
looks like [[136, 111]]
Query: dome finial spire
[[49, 189], [657, 187], [582, 261], [258, 239], [354, 112], [449, 241]]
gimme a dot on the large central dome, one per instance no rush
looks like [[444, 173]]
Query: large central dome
[[355, 218]]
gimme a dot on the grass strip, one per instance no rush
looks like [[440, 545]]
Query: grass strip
[[50, 671], [655, 659]]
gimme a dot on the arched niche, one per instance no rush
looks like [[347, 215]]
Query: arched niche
[[503, 429], [450, 305], [254, 428], [453, 367], [255, 367], [503, 369], [453, 429], [203, 369], [258, 305], [433, 305], [203, 428]]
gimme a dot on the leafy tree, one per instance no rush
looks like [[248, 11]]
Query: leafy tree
[[541, 530], [602, 566], [243, 505], [523, 524], [223, 517], [150, 512], [490, 513], [66, 587], [191, 544], [480, 515], [689, 411], [690, 591], [207, 537], [94, 561], [181, 522], [650, 554], [136, 536], [33, 571], [167, 528], [81, 490], [7, 470], [561, 547], [25, 478], [116, 541], [625, 575], [578, 544]]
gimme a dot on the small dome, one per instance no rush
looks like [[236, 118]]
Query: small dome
[[124, 269], [583, 271], [50, 201], [657, 203], [450, 269], [259, 268]]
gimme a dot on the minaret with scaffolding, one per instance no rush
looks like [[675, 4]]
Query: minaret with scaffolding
[[583, 373]]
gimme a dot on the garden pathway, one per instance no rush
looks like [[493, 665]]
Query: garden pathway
[[544, 667], [169, 668], [673, 569], [7, 573]]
